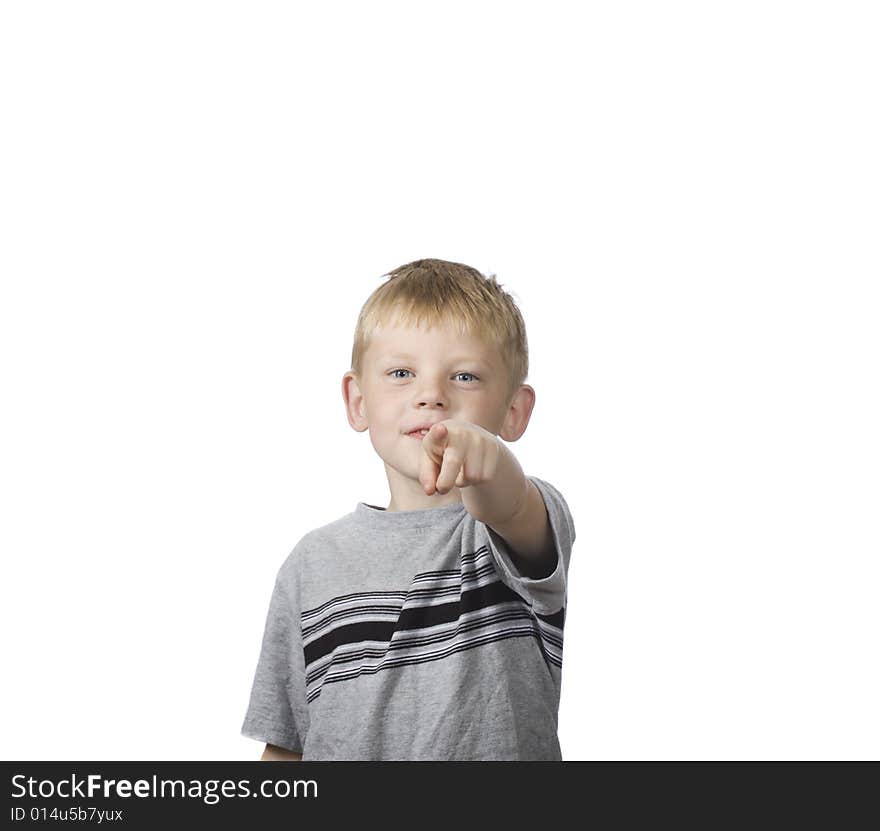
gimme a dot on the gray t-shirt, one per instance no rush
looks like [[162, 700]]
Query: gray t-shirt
[[410, 635]]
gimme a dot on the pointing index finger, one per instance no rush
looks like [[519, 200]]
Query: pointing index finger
[[435, 434]]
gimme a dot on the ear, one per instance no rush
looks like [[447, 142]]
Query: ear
[[519, 411], [354, 402]]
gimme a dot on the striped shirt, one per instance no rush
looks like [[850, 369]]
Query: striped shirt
[[411, 635]]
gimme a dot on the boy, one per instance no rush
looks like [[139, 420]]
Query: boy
[[430, 629]]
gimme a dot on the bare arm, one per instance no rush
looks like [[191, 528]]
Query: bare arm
[[273, 753], [526, 530]]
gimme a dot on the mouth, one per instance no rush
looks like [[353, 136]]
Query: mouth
[[418, 434]]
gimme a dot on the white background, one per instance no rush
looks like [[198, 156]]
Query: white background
[[196, 200]]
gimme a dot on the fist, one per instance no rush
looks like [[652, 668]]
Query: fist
[[456, 453]]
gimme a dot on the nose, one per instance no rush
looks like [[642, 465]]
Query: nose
[[430, 395], [430, 401]]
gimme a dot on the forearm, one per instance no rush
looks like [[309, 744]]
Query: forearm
[[504, 496]]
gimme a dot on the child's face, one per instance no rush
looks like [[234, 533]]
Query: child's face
[[415, 375]]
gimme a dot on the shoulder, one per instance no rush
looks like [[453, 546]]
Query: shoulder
[[320, 542], [558, 510]]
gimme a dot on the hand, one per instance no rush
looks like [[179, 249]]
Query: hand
[[456, 453]]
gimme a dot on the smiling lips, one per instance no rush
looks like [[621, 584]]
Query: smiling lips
[[418, 434], [421, 428]]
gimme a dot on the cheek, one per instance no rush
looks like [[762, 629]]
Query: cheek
[[489, 420], [386, 420], [380, 409]]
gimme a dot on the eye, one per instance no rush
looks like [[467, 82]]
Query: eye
[[393, 374]]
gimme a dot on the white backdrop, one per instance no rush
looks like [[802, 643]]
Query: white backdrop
[[196, 199]]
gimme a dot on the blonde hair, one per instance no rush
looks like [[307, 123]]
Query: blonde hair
[[438, 292]]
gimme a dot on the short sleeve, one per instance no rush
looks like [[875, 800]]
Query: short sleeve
[[278, 711], [546, 595]]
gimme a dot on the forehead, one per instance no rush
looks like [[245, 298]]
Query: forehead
[[410, 341]]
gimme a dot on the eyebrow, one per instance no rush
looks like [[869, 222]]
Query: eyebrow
[[457, 360]]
